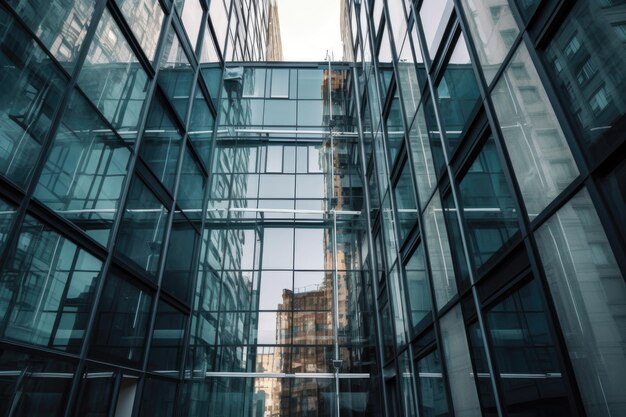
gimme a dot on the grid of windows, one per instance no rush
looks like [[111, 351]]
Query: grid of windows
[[434, 229]]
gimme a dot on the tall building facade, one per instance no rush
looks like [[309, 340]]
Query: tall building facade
[[433, 227]]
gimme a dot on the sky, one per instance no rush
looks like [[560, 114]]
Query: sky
[[308, 28]]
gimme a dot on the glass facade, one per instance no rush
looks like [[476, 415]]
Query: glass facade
[[433, 227]]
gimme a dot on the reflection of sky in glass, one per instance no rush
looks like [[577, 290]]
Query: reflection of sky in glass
[[272, 285]]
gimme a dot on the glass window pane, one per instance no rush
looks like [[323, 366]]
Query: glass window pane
[[405, 203], [61, 25], [310, 84], [434, 15], [158, 399], [432, 396], [588, 61], [85, 171], [176, 74], [47, 289], [167, 340], [493, 29], [277, 249], [201, 127], [525, 350], [280, 83], [436, 236], [179, 265], [310, 113], [488, 207], [121, 322], [145, 18], [539, 153], [191, 16], [589, 295], [275, 288], [311, 249], [422, 158], [30, 91], [7, 212], [191, 187], [112, 77], [418, 287], [459, 365], [394, 128], [280, 113], [160, 147], [458, 93], [141, 233], [527, 7]]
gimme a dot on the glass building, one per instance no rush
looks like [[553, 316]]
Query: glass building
[[428, 228]]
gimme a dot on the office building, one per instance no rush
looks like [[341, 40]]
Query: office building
[[432, 227]]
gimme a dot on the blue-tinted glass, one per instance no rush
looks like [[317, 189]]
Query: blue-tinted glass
[[422, 157], [458, 93], [494, 30], [191, 187], [432, 388], [201, 127], [540, 155], [47, 289], [213, 80], [310, 84], [405, 203], [141, 235], [61, 25], [160, 147], [84, 174], [310, 113], [588, 61], [34, 385], [30, 91], [112, 77], [527, 7], [525, 351], [158, 399], [279, 83], [394, 128], [488, 207], [456, 245], [145, 18], [179, 264], [7, 212], [418, 288], [176, 75], [97, 387], [167, 340], [589, 296], [121, 322], [280, 113]]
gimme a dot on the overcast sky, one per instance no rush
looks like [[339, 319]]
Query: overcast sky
[[308, 28]]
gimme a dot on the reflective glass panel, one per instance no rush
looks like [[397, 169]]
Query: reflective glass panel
[[61, 25], [191, 15], [121, 322], [405, 203], [422, 158], [7, 212], [488, 207], [201, 127], [434, 15], [47, 289], [418, 287], [141, 234], [160, 147], [30, 91], [530, 373], [494, 29], [179, 265], [539, 153], [459, 365], [589, 295], [112, 77], [442, 269], [175, 75], [167, 340], [433, 401], [588, 60], [458, 93], [84, 174], [145, 18]]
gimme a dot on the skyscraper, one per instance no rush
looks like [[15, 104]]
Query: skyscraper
[[432, 227]]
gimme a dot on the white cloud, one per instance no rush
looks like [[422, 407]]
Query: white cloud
[[308, 28]]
